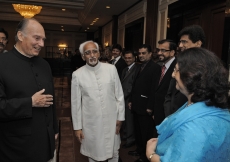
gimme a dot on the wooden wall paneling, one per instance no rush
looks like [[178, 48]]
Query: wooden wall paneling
[[216, 30], [151, 23]]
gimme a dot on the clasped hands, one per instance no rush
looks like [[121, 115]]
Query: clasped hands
[[42, 100]]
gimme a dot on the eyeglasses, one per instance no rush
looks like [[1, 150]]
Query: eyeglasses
[[175, 70], [88, 52], [143, 53], [182, 42], [162, 50], [3, 39]]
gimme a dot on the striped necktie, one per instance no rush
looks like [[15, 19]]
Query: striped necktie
[[162, 72]]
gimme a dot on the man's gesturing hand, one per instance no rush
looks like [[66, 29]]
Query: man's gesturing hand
[[42, 100]]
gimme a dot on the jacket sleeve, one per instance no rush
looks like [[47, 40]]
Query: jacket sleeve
[[14, 108], [76, 103], [168, 98], [119, 96], [155, 80]]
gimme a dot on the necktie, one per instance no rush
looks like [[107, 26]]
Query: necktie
[[162, 72], [126, 72], [113, 61]]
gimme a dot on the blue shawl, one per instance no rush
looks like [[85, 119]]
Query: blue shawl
[[195, 133]]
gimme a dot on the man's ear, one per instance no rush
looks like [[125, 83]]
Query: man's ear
[[20, 35], [198, 43], [82, 56], [172, 53]]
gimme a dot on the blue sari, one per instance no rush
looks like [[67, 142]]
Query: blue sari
[[195, 133]]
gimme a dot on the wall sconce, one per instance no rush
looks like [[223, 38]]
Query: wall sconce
[[106, 44], [227, 9], [168, 22]]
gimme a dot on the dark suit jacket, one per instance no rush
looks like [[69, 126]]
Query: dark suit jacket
[[120, 65], [26, 133], [174, 99], [127, 82], [161, 92], [144, 86]]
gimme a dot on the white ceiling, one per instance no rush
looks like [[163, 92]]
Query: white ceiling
[[78, 16]]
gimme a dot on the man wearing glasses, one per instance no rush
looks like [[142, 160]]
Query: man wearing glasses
[[3, 40], [166, 52], [190, 36], [97, 104]]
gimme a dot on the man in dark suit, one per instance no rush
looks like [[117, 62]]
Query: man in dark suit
[[166, 53], [142, 100], [28, 123], [190, 36], [127, 80], [118, 61]]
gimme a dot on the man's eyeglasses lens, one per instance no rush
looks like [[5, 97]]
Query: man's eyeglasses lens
[[89, 52]]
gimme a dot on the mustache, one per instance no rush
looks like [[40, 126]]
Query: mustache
[[1, 44]]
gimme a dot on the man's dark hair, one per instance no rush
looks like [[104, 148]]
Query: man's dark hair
[[204, 76], [22, 25], [194, 32], [149, 49], [129, 51], [5, 32], [172, 44], [117, 46]]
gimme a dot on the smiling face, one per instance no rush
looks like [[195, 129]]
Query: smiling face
[[164, 53], [116, 52], [186, 43], [31, 39], [129, 58], [91, 54]]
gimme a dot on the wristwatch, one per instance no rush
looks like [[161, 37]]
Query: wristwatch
[[150, 157]]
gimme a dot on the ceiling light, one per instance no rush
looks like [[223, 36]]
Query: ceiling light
[[85, 30], [62, 45], [63, 9], [87, 27], [91, 23], [107, 6], [62, 26], [97, 18], [27, 11], [62, 29]]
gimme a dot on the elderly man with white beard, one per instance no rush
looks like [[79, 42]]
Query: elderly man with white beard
[[97, 104]]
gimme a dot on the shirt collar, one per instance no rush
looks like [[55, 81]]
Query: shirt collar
[[167, 65], [94, 68]]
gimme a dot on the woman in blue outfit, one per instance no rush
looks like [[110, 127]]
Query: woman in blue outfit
[[200, 130]]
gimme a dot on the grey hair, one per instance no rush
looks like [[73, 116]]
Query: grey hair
[[21, 26], [81, 47]]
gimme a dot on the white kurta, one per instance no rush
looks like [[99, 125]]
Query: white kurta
[[97, 102]]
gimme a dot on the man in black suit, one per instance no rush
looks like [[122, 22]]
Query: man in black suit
[[118, 61], [166, 53], [142, 100], [127, 79], [191, 36]]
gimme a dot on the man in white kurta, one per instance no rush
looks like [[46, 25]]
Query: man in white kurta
[[97, 105]]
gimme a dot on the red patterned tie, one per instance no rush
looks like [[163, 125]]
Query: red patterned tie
[[162, 72]]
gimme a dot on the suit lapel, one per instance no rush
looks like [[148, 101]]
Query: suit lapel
[[129, 72]]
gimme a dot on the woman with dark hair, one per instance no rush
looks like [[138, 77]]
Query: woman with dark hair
[[200, 130]]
